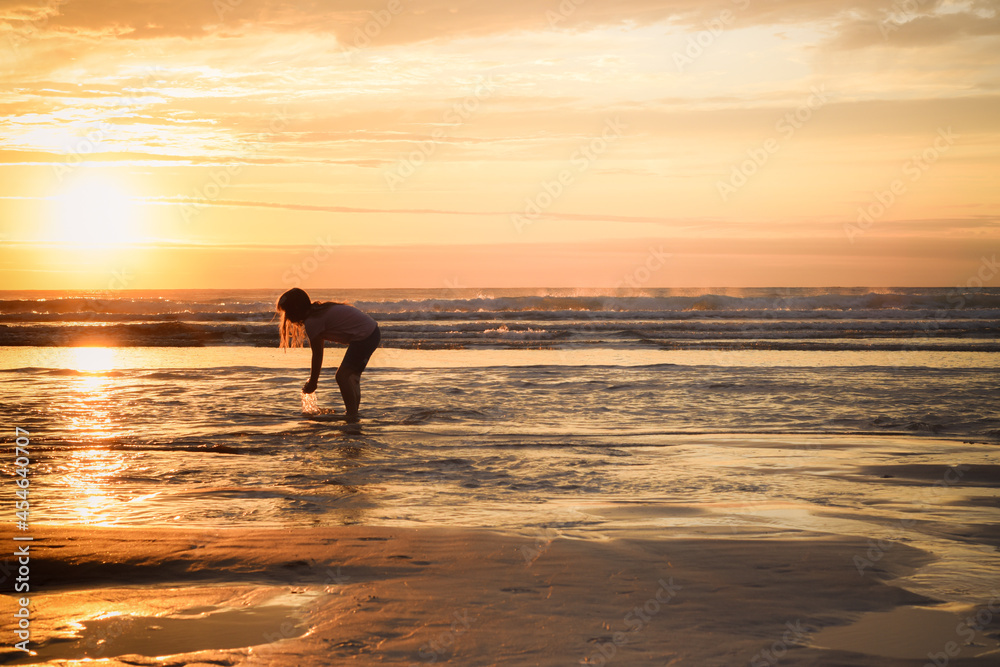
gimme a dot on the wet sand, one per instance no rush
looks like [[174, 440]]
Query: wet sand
[[386, 595]]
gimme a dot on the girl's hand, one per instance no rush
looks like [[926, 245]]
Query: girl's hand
[[309, 387]]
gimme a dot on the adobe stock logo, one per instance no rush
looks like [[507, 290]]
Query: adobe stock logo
[[786, 126], [913, 169], [701, 42], [581, 160]]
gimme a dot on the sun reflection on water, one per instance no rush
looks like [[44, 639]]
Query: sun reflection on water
[[93, 359], [91, 473], [92, 400]]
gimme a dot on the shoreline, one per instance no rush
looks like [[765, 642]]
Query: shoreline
[[14, 357]]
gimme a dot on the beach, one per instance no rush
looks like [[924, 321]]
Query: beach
[[466, 596], [631, 503], [500, 334]]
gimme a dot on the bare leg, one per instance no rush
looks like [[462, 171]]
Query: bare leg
[[350, 388]]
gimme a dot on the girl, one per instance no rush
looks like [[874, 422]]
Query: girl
[[302, 318]]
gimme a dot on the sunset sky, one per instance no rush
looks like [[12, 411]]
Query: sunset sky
[[444, 143]]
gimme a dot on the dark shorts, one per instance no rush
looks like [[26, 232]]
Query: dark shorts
[[360, 351]]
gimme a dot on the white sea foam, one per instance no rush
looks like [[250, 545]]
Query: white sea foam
[[831, 319]]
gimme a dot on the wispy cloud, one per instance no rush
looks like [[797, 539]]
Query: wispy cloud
[[166, 99]]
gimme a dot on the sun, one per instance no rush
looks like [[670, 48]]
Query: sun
[[94, 210]]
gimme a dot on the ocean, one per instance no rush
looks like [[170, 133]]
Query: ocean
[[548, 415], [668, 319], [487, 408]]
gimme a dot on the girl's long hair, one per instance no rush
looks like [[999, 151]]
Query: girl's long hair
[[290, 332]]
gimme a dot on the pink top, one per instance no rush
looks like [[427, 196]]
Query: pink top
[[340, 323]]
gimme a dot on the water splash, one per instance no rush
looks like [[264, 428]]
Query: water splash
[[309, 404]]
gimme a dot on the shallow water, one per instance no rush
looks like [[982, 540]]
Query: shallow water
[[543, 443], [167, 620], [917, 633], [198, 630]]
